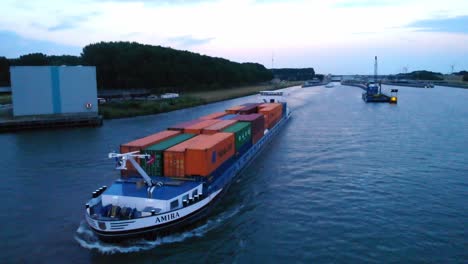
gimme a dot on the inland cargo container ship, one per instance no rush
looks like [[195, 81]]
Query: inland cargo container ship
[[173, 178]]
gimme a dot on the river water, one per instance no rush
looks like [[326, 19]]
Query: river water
[[343, 182]]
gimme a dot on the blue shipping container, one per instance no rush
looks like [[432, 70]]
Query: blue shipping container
[[228, 117], [284, 108]]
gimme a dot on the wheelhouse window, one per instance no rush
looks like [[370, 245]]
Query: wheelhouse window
[[174, 204], [195, 193]]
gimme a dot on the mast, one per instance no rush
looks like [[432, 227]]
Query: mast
[[375, 70], [375, 75]]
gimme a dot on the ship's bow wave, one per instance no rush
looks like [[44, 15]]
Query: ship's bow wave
[[87, 239]]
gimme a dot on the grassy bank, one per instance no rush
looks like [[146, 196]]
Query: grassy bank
[[138, 108], [5, 99], [225, 94]]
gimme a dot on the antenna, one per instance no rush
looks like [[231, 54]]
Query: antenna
[[272, 59], [453, 68], [375, 69]]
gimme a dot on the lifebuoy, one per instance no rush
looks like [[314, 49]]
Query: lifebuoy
[[88, 105]]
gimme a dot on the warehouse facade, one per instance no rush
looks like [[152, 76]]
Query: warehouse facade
[[54, 90]]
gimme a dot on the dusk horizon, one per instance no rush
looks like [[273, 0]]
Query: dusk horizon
[[338, 37]]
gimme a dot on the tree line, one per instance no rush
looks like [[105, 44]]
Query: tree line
[[291, 74], [421, 75], [128, 65]]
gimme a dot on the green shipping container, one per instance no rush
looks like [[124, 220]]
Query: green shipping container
[[242, 133], [155, 168]]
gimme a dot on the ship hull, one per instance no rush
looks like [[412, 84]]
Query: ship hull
[[175, 221]]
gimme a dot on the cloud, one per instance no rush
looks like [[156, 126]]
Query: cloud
[[187, 41], [72, 21], [363, 3], [14, 46], [297, 31], [451, 25]]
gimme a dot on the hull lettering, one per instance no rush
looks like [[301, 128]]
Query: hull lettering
[[167, 217]]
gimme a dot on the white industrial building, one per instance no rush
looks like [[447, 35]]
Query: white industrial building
[[54, 90]]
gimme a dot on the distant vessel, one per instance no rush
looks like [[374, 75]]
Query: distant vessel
[[174, 177], [330, 85], [373, 91], [428, 85], [311, 83]]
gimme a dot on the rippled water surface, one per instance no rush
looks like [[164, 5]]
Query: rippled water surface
[[343, 182]]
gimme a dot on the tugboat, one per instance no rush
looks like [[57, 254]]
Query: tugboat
[[150, 202], [373, 91]]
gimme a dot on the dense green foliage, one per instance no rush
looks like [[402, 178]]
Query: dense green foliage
[[134, 65], [465, 77], [127, 65], [4, 72], [463, 73], [421, 75], [40, 59], [5, 98], [290, 74]]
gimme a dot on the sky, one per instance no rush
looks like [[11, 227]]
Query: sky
[[332, 36]]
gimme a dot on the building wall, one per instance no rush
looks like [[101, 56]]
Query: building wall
[[77, 88], [39, 90], [31, 90]]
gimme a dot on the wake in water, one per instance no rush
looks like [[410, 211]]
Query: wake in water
[[86, 238]]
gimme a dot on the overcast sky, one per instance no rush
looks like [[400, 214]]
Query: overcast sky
[[333, 36]]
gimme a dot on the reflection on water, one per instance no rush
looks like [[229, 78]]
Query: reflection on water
[[344, 181]]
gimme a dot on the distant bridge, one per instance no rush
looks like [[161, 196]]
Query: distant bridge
[[336, 78]]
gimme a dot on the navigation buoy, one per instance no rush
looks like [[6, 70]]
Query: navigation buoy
[[88, 105]]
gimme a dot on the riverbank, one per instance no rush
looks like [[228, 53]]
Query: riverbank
[[133, 108], [5, 98]]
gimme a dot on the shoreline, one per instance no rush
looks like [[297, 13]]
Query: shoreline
[[133, 108]]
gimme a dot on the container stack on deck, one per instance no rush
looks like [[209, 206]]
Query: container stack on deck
[[142, 143], [206, 146]]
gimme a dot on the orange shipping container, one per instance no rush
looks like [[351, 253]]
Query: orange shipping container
[[214, 115], [197, 128], [270, 105], [206, 155], [174, 157], [234, 109], [213, 129], [142, 143], [272, 114]]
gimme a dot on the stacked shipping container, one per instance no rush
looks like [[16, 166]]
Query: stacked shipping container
[[257, 123], [182, 126], [234, 109], [198, 156], [221, 138], [206, 155], [198, 127], [222, 124], [154, 166], [214, 116], [228, 117], [272, 113], [140, 144], [242, 133]]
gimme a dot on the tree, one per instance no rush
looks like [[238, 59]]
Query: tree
[[132, 65], [4, 72], [290, 74], [32, 59], [465, 77]]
